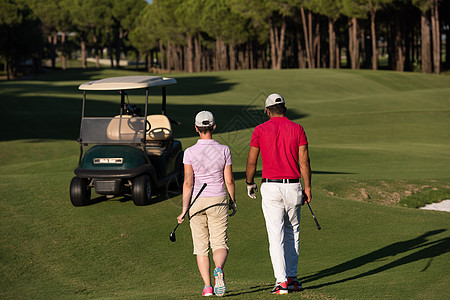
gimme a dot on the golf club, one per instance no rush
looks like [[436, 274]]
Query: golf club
[[172, 234], [317, 223]]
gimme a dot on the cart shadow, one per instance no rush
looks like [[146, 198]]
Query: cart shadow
[[419, 248], [160, 196]]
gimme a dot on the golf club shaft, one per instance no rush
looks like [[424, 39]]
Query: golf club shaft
[[190, 204], [314, 217]]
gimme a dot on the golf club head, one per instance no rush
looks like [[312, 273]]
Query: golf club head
[[172, 236]]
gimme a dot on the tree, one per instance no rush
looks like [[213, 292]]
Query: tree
[[20, 35], [272, 13], [170, 33], [354, 9], [56, 19], [189, 14], [435, 29], [124, 14], [85, 17], [373, 6], [221, 21], [331, 9], [430, 44], [143, 36]]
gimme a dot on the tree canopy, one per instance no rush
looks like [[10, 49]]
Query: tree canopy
[[203, 35]]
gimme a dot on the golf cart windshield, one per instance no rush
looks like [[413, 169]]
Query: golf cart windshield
[[125, 129]]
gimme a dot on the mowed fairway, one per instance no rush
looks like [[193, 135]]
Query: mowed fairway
[[375, 138]]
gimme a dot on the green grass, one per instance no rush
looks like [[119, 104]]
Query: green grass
[[426, 196], [377, 140]]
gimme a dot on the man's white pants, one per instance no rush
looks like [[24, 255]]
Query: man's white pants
[[281, 204]]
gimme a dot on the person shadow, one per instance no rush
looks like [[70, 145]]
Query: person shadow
[[421, 246]]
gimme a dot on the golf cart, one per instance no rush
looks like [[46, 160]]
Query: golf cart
[[131, 154]]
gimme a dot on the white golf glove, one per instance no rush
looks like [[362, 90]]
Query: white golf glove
[[251, 190]]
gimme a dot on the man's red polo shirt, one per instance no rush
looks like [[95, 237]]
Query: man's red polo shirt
[[279, 140]]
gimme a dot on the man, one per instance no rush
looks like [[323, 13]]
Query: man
[[284, 153]]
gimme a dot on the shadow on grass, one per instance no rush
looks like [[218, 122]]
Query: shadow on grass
[[421, 247], [250, 290], [39, 118], [36, 110], [159, 196]]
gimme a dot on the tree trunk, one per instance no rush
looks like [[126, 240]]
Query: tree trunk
[[218, 55], [316, 46], [399, 48], [51, 45], [223, 56], [169, 56], [353, 43], [332, 43], [178, 57], [273, 49], [83, 54], [338, 57], [240, 58], [97, 57], [307, 44], [189, 56], [63, 50], [198, 53], [277, 38], [300, 53], [119, 48], [447, 49], [232, 54], [250, 55], [8, 65], [137, 59], [425, 43], [436, 37], [246, 62], [374, 39], [162, 54], [280, 43], [310, 37]]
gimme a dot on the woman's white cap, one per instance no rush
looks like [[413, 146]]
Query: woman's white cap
[[204, 119]]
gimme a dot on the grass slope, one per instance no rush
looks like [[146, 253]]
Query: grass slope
[[375, 138]]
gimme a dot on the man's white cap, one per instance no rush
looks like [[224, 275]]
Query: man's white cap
[[204, 119], [274, 99]]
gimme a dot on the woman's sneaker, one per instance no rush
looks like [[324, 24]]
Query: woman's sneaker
[[280, 288], [294, 284], [207, 291], [219, 286]]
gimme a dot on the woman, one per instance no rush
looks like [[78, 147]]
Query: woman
[[208, 162]]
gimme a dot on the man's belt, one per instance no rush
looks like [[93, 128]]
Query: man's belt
[[281, 180]]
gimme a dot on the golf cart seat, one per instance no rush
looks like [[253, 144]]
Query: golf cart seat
[[160, 135], [125, 128]]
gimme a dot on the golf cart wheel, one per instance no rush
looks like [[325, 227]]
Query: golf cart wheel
[[142, 190], [80, 192]]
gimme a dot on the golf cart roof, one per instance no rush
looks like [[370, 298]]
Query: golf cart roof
[[126, 83]]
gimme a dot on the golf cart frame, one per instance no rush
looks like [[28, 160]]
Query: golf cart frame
[[130, 154]]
